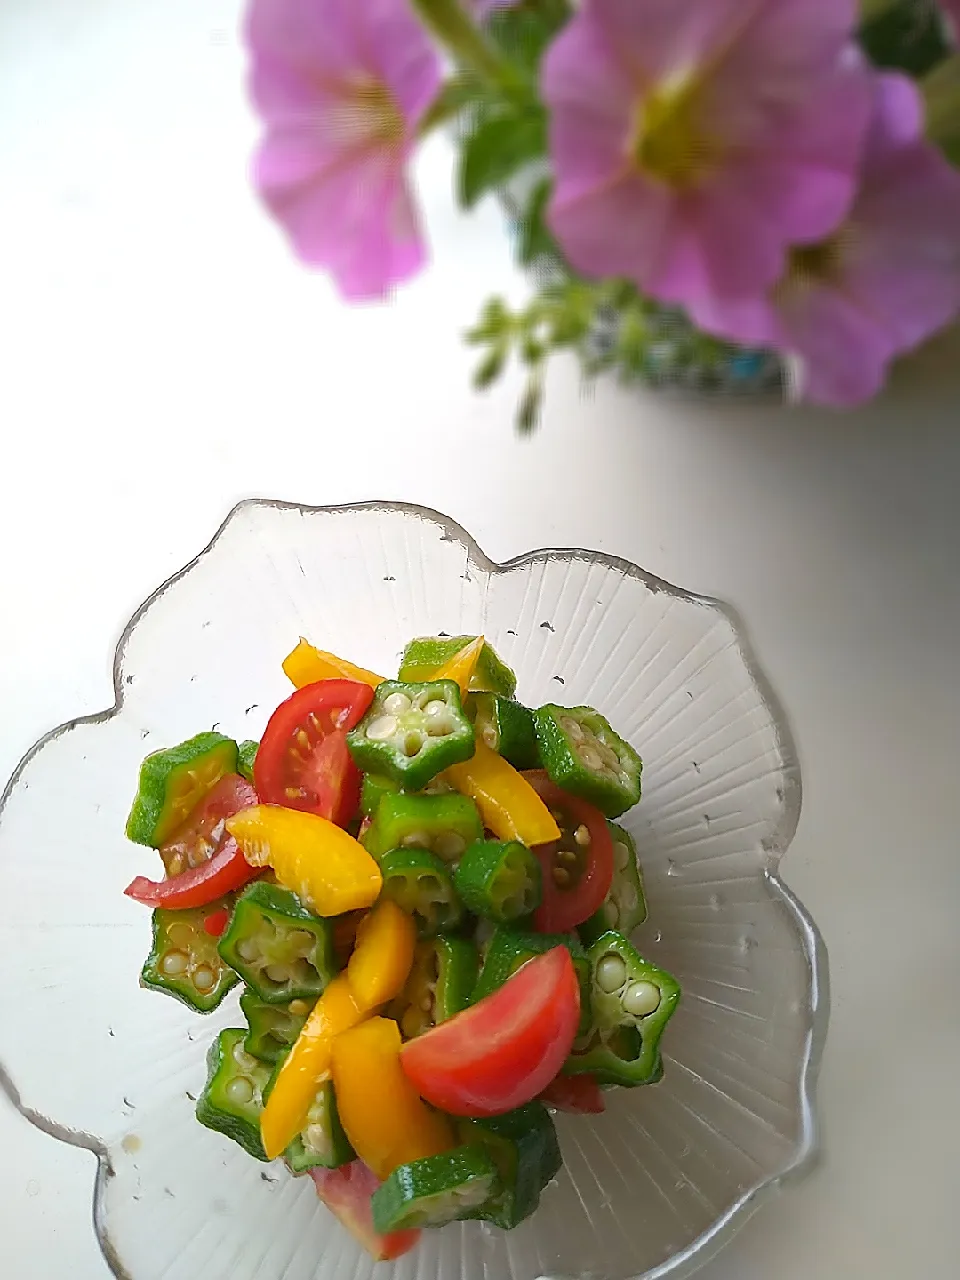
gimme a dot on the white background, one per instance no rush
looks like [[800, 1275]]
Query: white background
[[161, 356]]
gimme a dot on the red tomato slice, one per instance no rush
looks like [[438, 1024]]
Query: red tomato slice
[[579, 1094], [303, 761], [201, 835], [347, 1192], [504, 1050], [573, 887], [212, 861]]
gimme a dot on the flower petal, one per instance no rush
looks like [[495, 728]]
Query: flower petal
[[844, 351]]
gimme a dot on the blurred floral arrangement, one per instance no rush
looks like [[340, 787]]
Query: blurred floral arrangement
[[728, 195]]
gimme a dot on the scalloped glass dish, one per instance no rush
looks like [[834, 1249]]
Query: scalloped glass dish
[[650, 1188]]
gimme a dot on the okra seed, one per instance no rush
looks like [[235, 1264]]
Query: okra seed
[[315, 1137], [278, 973], [489, 736], [439, 727], [566, 855], [180, 935], [299, 1008], [396, 704], [449, 845], [641, 998], [612, 914], [302, 940], [244, 1060], [590, 759], [435, 708], [611, 974], [561, 877], [629, 896], [248, 950], [582, 836], [621, 855], [204, 978], [426, 1004], [382, 728], [416, 840], [412, 744], [175, 865], [570, 726], [174, 964], [240, 1091]]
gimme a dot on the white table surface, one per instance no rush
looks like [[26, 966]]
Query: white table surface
[[163, 356]]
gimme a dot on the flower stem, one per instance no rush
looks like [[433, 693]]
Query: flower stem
[[451, 26]]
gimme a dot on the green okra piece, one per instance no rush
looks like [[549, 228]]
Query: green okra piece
[[183, 960], [278, 947], [174, 781], [421, 883], [443, 824], [232, 1099], [586, 757], [426, 654], [499, 881], [412, 732]]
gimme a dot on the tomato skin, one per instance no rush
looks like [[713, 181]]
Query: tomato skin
[[504, 1050], [347, 1192], [211, 857], [561, 910], [578, 1094], [303, 761]]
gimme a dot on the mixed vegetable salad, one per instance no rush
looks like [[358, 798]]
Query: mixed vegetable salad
[[422, 888]]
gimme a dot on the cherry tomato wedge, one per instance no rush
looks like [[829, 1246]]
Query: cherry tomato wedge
[[578, 868], [347, 1192], [504, 1050], [303, 761], [579, 1094], [210, 857], [202, 834]]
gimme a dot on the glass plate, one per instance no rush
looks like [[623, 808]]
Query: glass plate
[[648, 1189]]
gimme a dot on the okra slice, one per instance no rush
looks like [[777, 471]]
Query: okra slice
[[183, 959], [412, 732], [278, 947], [506, 727], [583, 755], [246, 756], [631, 1003], [174, 781], [523, 1145], [420, 883], [441, 979], [444, 824], [625, 906], [232, 1099], [499, 881], [509, 948], [435, 1190], [424, 655], [321, 1144], [273, 1028], [376, 787]]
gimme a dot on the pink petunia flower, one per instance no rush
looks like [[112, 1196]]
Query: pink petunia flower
[[694, 140], [952, 9], [883, 284], [341, 86]]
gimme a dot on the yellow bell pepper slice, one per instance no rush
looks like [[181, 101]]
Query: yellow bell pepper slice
[[306, 665], [383, 956], [384, 1117], [326, 868], [306, 1067], [508, 804], [462, 665]]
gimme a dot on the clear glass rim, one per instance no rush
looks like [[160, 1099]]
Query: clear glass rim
[[705, 1246]]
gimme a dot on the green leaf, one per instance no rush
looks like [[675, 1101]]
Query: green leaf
[[906, 36], [490, 368], [531, 404], [457, 94], [497, 149], [535, 240], [525, 32]]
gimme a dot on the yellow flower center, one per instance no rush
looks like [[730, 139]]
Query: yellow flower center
[[670, 141], [367, 113], [813, 263]]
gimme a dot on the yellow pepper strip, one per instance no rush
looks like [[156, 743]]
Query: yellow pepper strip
[[508, 804], [306, 665], [326, 868], [307, 1065], [383, 957], [462, 665], [384, 1117]]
